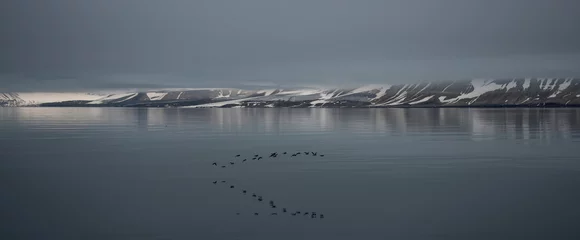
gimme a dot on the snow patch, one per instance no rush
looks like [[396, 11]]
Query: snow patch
[[267, 92], [155, 96], [510, 85], [447, 87], [220, 104], [561, 88], [526, 83], [222, 95], [422, 100], [111, 97]]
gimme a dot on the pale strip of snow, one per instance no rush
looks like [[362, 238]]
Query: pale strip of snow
[[324, 97], [44, 97], [422, 100], [382, 92], [447, 87], [313, 103], [267, 92], [561, 88], [178, 96], [271, 105], [442, 99], [154, 96], [367, 88], [511, 84], [403, 88], [113, 97], [526, 83], [398, 98], [472, 101], [480, 87], [426, 86], [240, 91], [401, 99], [303, 92], [547, 83], [220, 104]]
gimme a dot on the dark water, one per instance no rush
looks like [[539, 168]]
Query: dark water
[[118, 173]]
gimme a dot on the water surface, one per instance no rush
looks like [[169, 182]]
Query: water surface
[[123, 173]]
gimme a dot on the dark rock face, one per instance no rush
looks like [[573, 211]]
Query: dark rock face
[[530, 92]]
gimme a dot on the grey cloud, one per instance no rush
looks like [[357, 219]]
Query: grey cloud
[[213, 43]]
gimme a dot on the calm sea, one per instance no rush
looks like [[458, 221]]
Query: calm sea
[[122, 173]]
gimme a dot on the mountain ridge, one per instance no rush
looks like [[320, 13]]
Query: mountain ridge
[[519, 92]]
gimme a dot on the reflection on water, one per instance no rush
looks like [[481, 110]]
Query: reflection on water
[[138, 173], [479, 124]]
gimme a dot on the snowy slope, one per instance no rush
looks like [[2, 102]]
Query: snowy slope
[[528, 92]]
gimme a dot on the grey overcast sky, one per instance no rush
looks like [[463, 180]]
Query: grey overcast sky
[[92, 44]]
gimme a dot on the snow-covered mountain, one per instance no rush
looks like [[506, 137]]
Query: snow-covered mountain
[[470, 93]]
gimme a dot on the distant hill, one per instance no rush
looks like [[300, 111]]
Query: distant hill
[[529, 92]]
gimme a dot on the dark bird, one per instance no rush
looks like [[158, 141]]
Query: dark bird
[[253, 158], [298, 153], [293, 214], [232, 186], [284, 152], [273, 206], [223, 166], [260, 198], [314, 153], [297, 212], [259, 158], [322, 155], [244, 191], [293, 155], [244, 160], [256, 214], [271, 202], [313, 215], [306, 213], [238, 155], [273, 155], [232, 163], [306, 153], [274, 214], [223, 181], [256, 155], [215, 164], [321, 215], [283, 209], [214, 182]]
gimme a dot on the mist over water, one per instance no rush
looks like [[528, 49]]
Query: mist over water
[[130, 173]]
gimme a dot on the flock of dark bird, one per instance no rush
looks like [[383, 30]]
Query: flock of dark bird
[[259, 198]]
